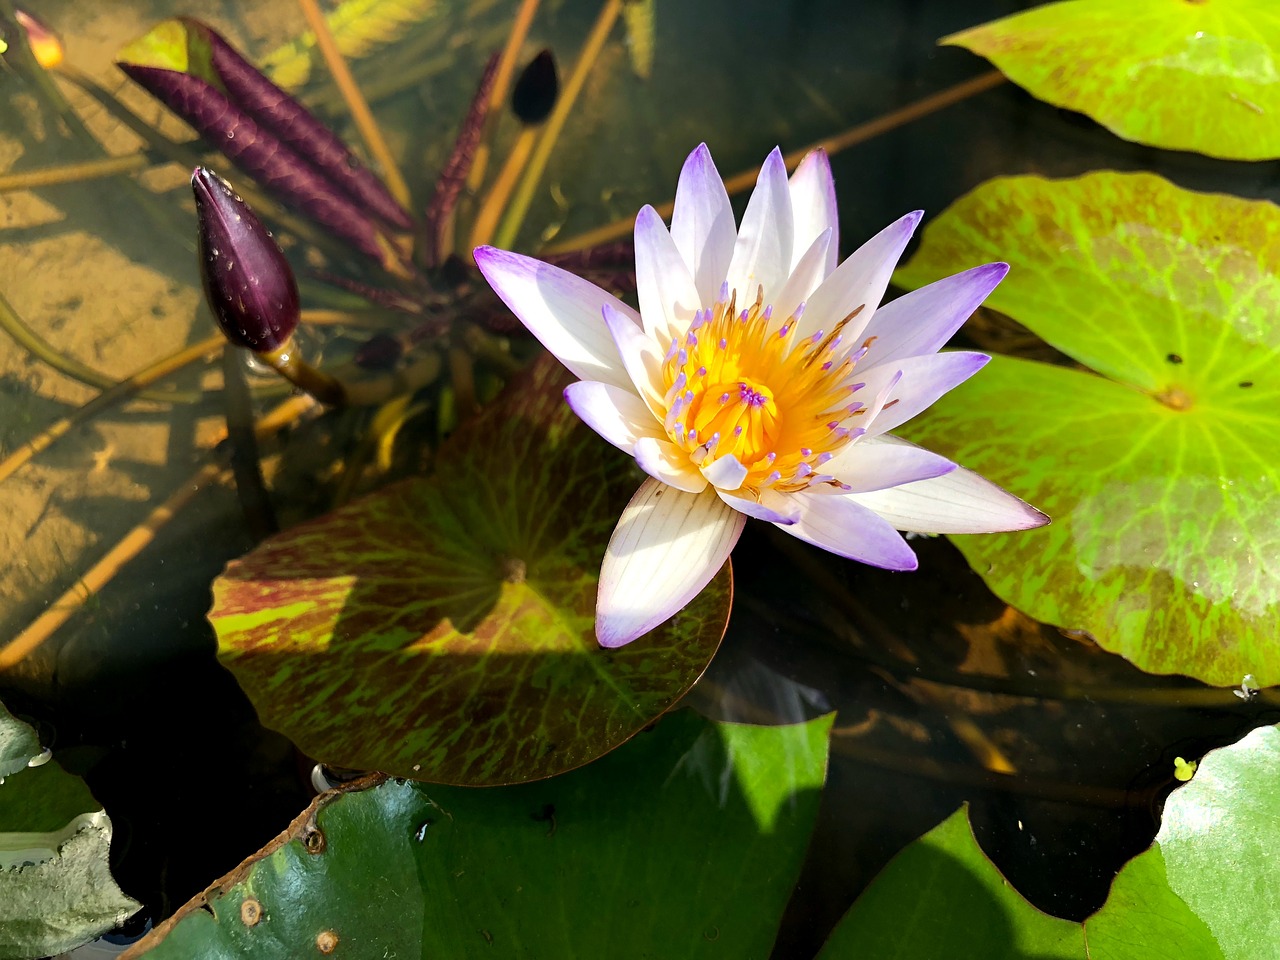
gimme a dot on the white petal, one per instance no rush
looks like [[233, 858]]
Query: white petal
[[806, 277], [773, 507], [813, 205], [725, 473], [664, 461], [957, 502], [702, 224], [923, 320], [762, 254], [668, 298], [666, 548], [639, 357], [617, 415], [848, 529], [561, 310], [874, 463], [858, 282], [923, 381]]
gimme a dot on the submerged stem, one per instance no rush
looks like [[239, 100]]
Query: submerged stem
[[523, 197], [861, 133]]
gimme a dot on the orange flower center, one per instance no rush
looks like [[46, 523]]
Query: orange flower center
[[738, 383]]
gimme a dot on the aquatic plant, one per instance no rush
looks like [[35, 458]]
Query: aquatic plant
[[758, 379]]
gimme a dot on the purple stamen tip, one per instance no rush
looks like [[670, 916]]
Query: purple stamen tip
[[773, 477], [737, 431], [806, 452], [827, 365], [771, 457], [833, 425], [817, 337], [724, 344], [743, 316], [803, 470], [799, 311], [783, 332], [855, 387], [768, 311], [823, 457], [724, 398], [724, 291], [702, 371]]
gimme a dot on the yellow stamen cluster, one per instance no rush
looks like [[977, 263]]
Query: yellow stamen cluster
[[739, 383]]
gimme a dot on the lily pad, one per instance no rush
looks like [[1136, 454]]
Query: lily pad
[[942, 897], [684, 843], [1189, 75], [1161, 474], [18, 743], [56, 889], [1205, 890], [442, 629]]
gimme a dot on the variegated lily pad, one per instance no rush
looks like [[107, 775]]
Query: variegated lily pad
[[1162, 475], [1180, 74], [442, 629]]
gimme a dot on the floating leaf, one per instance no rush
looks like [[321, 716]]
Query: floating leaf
[[941, 897], [443, 629], [1189, 75], [1162, 480], [18, 743], [56, 890], [684, 843]]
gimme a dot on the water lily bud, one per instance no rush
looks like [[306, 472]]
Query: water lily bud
[[534, 94], [247, 280]]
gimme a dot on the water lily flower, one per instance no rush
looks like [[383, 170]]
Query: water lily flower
[[759, 379]]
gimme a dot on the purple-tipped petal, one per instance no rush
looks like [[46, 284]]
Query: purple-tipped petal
[[296, 126], [957, 502], [247, 280], [773, 508], [762, 253], [702, 224], [813, 205], [617, 415], [806, 276], [640, 358], [923, 380], [665, 550], [923, 320], [842, 526], [874, 463], [667, 463], [858, 282], [561, 310], [664, 286]]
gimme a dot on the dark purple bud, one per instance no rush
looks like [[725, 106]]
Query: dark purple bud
[[247, 280], [534, 94], [297, 126]]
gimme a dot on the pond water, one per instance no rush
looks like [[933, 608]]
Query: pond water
[[944, 694]]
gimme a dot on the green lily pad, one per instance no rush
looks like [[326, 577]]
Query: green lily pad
[[1189, 75], [443, 629], [1205, 890], [56, 889], [942, 897], [1160, 475], [18, 743], [684, 843]]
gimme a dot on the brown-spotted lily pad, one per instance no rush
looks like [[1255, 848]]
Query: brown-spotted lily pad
[[1182, 74], [1162, 470], [442, 629]]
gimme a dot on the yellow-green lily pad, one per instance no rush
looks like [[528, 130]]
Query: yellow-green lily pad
[[1162, 471], [1200, 75], [443, 628]]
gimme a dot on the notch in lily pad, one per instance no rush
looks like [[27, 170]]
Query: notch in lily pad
[[443, 629]]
